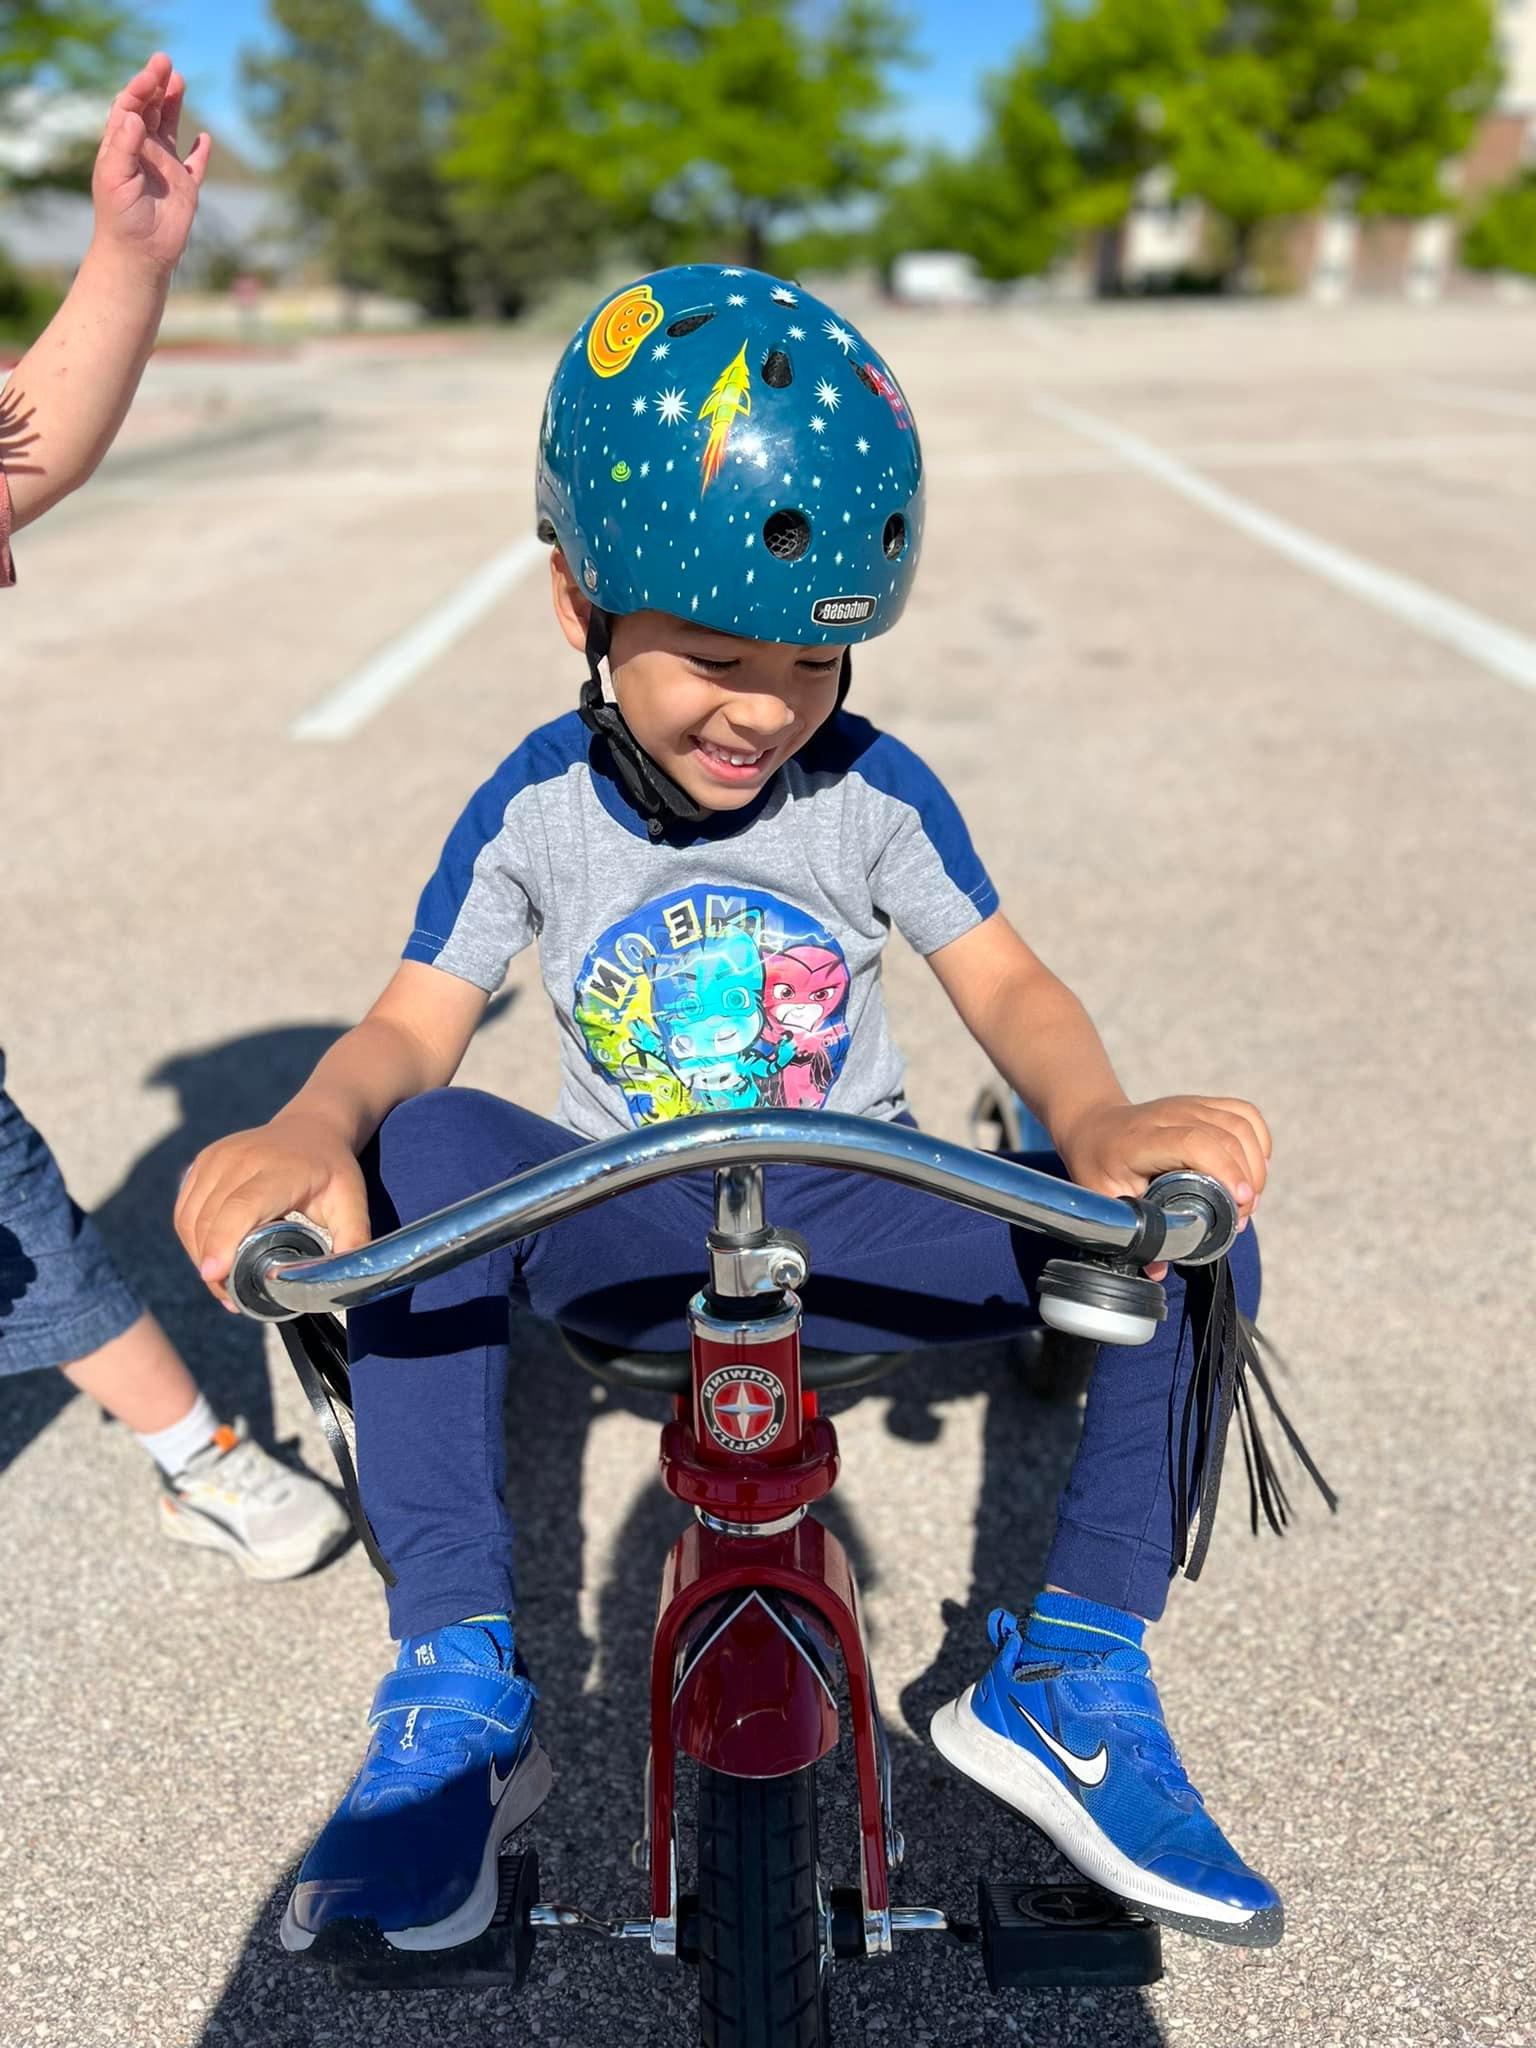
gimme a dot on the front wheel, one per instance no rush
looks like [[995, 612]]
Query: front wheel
[[762, 1974]]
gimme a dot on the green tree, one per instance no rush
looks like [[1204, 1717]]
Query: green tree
[[346, 99], [532, 221], [1502, 232], [689, 125], [1262, 107]]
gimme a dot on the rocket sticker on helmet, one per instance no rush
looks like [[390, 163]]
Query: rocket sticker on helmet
[[730, 399], [618, 330]]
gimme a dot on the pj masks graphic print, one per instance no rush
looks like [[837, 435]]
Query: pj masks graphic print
[[805, 993], [712, 999]]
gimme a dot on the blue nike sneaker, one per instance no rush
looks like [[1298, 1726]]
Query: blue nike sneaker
[[452, 1769], [1076, 1742]]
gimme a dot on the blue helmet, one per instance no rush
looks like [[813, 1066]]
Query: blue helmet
[[720, 445]]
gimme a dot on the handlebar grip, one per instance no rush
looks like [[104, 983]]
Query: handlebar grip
[[287, 1243], [1207, 1198]]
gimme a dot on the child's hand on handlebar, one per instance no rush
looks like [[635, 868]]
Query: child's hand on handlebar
[[1119, 1148], [295, 1162]]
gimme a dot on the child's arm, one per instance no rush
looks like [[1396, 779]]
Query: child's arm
[[1042, 1041], [69, 394], [413, 1039]]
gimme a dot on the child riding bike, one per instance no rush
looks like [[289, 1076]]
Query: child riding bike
[[710, 860]]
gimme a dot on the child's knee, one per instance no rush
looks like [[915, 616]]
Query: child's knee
[[440, 1146], [424, 1154]]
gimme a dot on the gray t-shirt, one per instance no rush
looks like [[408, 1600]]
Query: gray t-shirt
[[722, 966]]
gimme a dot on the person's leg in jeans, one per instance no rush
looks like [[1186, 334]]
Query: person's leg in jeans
[[65, 1306]]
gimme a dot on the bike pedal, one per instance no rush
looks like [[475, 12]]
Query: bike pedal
[[359, 1957], [1071, 1934]]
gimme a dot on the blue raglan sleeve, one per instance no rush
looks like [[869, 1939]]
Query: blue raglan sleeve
[[480, 908], [925, 875]]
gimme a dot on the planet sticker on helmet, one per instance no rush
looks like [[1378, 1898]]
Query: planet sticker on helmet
[[619, 328]]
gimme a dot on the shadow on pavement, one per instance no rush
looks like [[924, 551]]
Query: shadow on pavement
[[219, 1089], [594, 1717]]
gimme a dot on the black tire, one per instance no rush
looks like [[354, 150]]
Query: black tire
[[761, 1980]]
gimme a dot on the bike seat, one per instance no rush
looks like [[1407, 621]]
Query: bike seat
[[671, 1372]]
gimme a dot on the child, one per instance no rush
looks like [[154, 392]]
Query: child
[[62, 1302], [711, 862]]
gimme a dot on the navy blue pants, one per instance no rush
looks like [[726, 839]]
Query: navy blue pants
[[891, 1269]]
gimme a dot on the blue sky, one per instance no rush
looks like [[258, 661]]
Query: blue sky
[[960, 39]]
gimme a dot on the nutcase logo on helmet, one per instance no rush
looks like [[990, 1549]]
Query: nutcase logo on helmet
[[842, 611]]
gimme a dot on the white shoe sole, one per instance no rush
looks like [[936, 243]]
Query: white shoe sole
[[1031, 1788], [527, 1790], [201, 1532]]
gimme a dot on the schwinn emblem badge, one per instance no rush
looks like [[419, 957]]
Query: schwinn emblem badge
[[842, 611], [743, 1407]]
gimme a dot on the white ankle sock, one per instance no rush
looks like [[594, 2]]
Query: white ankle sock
[[173, 1449]]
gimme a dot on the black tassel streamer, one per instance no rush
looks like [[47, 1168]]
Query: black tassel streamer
[[1229, 1355], [317, 1350]]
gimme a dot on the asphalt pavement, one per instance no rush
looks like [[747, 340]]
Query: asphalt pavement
[[1225, 640]]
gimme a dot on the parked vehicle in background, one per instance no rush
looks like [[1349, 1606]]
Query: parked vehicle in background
[[937, 277]]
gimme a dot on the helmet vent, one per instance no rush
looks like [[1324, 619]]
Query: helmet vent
[[778, 370], [787, 535], [546, 531], [894, 538], [690, 324], [866, 377]]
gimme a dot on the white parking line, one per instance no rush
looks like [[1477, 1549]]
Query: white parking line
[[352, 703], [1497, 648], [1513, 404]]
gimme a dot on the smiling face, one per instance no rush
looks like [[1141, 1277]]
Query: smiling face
[[717, 713]]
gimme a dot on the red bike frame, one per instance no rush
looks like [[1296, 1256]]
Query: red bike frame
[[756, 1594]]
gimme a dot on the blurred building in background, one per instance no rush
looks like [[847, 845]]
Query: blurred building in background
[[1332, 255], [45, 228]]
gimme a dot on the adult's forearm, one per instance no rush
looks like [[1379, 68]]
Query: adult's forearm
[[65, 400]]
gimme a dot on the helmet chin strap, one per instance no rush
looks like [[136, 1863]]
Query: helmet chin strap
[[654, 794]]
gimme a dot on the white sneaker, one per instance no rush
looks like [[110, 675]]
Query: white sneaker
[[235, 1497]]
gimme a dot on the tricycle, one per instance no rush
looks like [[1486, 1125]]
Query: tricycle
[[759, 1648]]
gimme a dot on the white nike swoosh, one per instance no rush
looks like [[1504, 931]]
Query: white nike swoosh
[[499, 1784], [1088, 1770]]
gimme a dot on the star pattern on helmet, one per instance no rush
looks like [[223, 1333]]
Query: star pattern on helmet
[[638, 407], [834, 330], [827, 394], [783, 296], [671, 406], [728, 272], [818, 424], [645, 469], [661, 351], [736, 299], [862, 445], [797, 334]]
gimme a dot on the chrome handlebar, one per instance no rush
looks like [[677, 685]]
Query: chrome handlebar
[[1182, 1216]]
